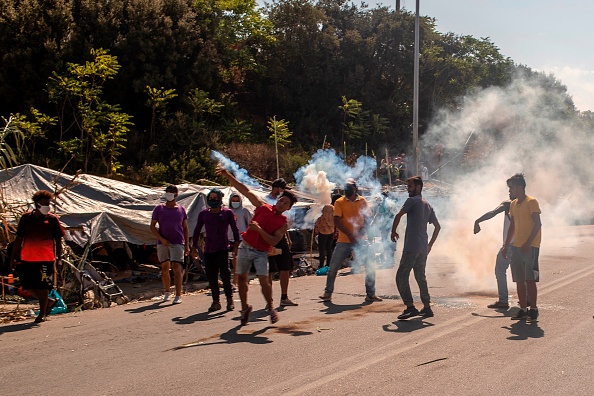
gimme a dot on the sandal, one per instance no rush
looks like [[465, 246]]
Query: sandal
[[245, 315]]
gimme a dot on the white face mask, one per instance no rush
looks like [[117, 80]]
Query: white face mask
[[43, 209], [169, 196], [235, 205]]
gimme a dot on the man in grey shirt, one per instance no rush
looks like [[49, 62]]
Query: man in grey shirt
[[416, 248]]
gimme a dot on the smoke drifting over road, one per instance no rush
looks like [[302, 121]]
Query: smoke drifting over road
[[520, 128]]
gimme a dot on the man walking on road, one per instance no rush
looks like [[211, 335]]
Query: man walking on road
[[172, 241], [501, 263], [39, 245], [351, 217], [266, 229], [416, 248], [216, 221], [525, 231]]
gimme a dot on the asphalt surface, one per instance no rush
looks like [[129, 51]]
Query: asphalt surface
[[346, 347]]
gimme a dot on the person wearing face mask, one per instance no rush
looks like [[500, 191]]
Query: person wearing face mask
[[266, 230], [351, 217], [172, 240], [243, 217], [216, 221], [39, 245]]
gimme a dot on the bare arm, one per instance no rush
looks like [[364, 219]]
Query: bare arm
[[394, 236], [435, 234], [239, 186], [16, 250], [490, 215], [269, 239], [186, 237], [156, 233], [510, 236], [338, 223]]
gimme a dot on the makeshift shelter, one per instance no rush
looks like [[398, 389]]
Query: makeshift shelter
[[95, 209]]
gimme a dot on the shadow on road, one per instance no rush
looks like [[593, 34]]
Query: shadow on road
[[332, 309], [522, 330], [199, 317], [18, 327], [503, 314], [406, 326], [230, 337], [145, 308]]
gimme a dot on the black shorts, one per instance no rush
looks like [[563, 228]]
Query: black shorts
[[283, 261], [36, 275]]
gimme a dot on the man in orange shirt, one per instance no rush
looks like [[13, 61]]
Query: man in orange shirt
[[39, 245], [351, 217]]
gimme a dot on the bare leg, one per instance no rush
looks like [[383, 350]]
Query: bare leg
[[165, 276], [521, 286], [532, 293], [177, 278], [284, 281], [266, 289], [242, 285], [43, 299]]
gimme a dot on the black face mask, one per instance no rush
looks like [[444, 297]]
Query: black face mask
[[213, 203], [349, 190]]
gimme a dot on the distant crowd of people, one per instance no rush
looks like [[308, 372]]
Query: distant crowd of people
[[399, 168], [260, 242]]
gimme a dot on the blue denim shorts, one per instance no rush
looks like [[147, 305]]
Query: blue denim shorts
[[246, 256]]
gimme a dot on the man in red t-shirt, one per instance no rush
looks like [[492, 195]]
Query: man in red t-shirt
[[38, 244], [267, 228]]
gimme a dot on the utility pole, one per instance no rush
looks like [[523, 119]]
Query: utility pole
[[416, 95], [397, 5]]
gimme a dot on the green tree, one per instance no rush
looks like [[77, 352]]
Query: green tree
[[279, 131], [98, 127], [8, 157]]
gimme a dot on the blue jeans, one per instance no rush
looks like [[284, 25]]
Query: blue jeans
[[416, 262], [341, 253], [501, 266]]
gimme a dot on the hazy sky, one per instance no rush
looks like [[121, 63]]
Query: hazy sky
[[549, 36]]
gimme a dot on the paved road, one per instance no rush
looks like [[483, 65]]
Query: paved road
[[346, 347]]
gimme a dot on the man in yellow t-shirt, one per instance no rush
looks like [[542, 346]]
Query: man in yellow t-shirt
[[351, 217], [525, 231]]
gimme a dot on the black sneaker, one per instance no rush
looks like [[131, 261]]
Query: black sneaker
[[215, 306], [408, 313], [520, 315], [426, 312], [533, 315]]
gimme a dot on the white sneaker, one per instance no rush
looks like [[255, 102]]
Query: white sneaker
[[166, 296], [177, 300]]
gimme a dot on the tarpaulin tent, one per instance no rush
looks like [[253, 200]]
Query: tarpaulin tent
[[96, 208]]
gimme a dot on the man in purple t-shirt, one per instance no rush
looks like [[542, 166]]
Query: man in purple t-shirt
[[172, 240], [216, 221]]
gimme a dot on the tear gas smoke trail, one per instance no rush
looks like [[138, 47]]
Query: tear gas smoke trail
[[243, 176], [324, 171], [524, 127], [239, 173]]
